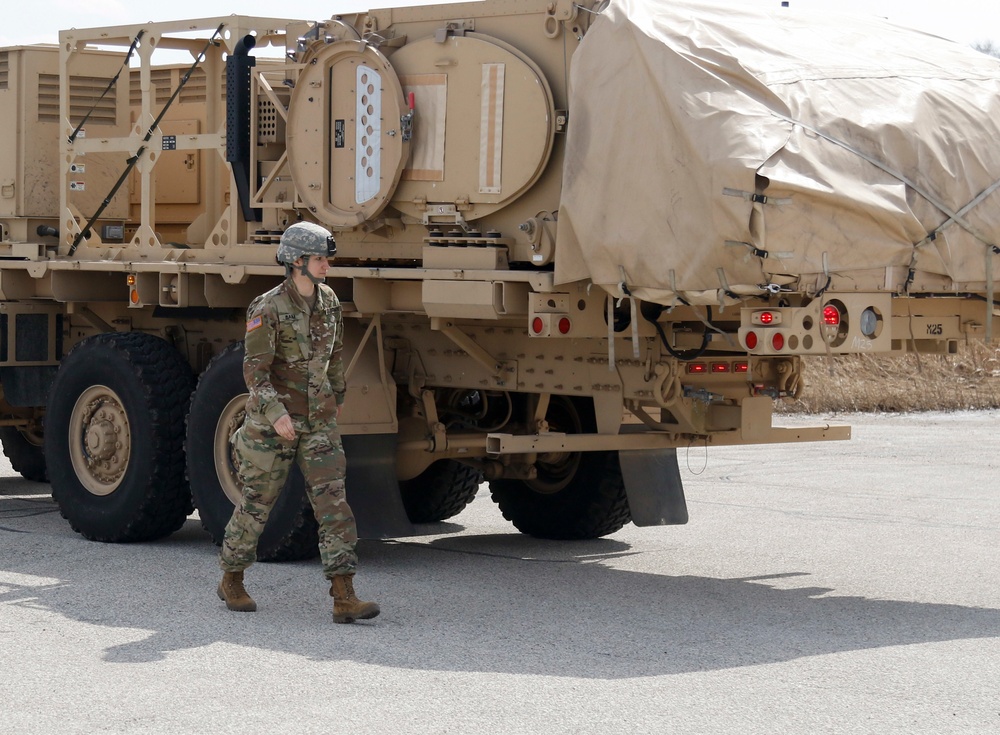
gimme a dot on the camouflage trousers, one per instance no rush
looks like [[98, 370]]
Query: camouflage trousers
[[263, 460]]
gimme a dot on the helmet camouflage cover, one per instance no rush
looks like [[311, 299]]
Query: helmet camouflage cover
[[304, 239]]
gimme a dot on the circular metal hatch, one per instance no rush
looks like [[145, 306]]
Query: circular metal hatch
[[483, 124], [344, 140]]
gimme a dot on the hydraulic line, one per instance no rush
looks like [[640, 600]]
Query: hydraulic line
[[684, 355]]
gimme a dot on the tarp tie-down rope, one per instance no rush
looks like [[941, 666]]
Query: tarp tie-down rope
[[932, 235], [953, 216]]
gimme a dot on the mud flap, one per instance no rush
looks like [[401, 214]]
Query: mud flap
[[653, 486], [372, 487]]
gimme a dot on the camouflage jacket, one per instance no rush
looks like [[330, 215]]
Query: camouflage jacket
[[293, 356]]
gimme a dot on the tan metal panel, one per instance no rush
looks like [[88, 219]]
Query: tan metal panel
[[493, 150]]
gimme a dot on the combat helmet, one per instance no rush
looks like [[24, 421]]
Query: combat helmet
[[302, 240]]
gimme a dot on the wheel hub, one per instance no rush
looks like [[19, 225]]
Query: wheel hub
[[556, 470], [230, 420], [100, 441]]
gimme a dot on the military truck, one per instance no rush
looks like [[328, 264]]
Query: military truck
[[573, 237]]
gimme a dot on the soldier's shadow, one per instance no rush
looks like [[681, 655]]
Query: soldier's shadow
[[512, 604], [500, 603]]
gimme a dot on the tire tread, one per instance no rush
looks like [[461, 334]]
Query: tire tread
[[26, 459], [594, 505], [166, 382], [298, 538], [440, 492]]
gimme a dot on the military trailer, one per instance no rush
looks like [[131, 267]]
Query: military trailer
[[572, 238]]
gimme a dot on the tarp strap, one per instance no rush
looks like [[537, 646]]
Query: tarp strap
[[989, 294], [822, 289], [709, 327], [726, 290], [754, 197], [633, 315], [633, 304], [114, 80], [911, 271], [611, 334], [131, 162], [754, 250]]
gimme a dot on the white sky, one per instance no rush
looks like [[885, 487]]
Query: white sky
[[34, 21]]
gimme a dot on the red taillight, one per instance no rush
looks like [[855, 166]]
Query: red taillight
[[766, 318], [697, 367], [831, 315], [741, 367], [537, 325], [720, 367], [565, 325], [778, 341], [751, 340]]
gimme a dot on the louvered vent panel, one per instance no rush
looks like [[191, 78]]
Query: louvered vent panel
[[84, 97], [166, 80]]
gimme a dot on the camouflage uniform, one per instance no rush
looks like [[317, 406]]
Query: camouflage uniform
[[293, 365]]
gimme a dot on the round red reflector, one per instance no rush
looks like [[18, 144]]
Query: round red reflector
[[564, 325], [751, 340], [766, 317], [778, 341], [537, 325], [831, 315]]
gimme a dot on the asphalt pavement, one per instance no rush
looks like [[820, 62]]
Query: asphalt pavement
[[840, 587]]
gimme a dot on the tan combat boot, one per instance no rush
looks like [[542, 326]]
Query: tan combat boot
[[346, 606], [235, 595]]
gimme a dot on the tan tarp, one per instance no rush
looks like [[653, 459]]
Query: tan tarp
[[865, 138]]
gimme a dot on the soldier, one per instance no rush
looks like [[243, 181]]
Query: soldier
[[295, 374]]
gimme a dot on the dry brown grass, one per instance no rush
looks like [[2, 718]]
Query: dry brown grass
[[968, 379]]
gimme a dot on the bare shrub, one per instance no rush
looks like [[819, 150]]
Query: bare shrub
[[904, 383]]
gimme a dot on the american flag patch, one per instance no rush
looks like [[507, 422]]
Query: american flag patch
[[254, 323]]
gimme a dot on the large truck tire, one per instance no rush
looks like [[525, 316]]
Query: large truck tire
[[114, 437], [440, 492], [216, 412], [26, 453], [576, 495], [591, 505]]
